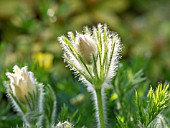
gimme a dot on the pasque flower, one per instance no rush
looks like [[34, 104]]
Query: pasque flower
[[27, 96], [94, 56], [22, 82], [64, 124]]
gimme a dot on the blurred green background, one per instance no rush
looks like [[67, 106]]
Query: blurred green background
[[29, 31]]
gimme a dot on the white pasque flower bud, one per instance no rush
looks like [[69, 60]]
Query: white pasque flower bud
[[65, 124], [86, 47], [93, 55], [21, 82]]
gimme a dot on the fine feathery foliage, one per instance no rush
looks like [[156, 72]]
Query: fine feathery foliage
[[122, 96], [149, 111], [50, 106]]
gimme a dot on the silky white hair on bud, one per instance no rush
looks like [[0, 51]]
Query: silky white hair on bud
[[93, 56], [99, 46]]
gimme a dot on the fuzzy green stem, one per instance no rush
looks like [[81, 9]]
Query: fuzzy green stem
[[100, 109]]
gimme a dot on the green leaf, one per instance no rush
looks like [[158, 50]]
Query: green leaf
[[155, 104]]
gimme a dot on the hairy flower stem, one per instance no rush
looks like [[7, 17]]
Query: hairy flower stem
[[100, 109]]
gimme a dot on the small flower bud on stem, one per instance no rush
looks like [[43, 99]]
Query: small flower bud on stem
[[85, 46]]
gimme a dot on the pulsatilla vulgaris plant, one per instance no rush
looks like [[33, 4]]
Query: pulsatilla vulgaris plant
[[149, 111], [94, 56], [34, 102], [26, 95]]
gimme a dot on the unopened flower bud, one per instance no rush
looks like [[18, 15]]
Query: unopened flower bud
[[65, 124], [21, 82], [86, 47]]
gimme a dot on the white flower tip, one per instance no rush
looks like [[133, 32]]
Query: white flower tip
[[16, 68], [8, 74], [85, 46], [23, 80]]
